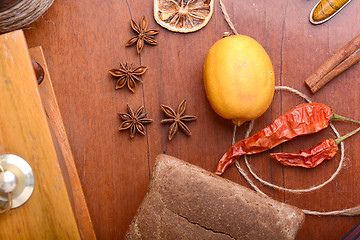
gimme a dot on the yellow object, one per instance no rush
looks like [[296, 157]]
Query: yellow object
[[239, 78], [326, 9], [182, 15]]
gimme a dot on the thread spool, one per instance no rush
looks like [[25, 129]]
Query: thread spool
[[15, 14]]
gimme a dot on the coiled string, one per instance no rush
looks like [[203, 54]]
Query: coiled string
[[22, 13]]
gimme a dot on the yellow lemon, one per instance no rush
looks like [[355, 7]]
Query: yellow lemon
[[239, 78]]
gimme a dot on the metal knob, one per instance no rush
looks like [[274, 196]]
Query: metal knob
[[8, 181], [16, 182]]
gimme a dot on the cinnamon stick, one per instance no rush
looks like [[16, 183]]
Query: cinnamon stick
[[346, 57]]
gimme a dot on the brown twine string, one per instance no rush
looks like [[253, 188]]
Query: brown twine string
[[227, 18], [22, 13], [344, 212]]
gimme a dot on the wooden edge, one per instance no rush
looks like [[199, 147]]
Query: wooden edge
[[68, 166], [24, 131]]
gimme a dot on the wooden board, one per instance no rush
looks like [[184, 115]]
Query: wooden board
[[67, 163], [24, 131], [83, 42]]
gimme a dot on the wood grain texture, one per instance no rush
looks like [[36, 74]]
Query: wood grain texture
[[83, 42], [68, 167], [24, 132]]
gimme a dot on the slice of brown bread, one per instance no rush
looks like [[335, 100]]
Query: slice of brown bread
[[187, 202]]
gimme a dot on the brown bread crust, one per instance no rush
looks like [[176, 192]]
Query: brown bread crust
[[187, 202]]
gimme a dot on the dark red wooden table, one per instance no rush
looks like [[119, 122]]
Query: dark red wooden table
[[82, 40]]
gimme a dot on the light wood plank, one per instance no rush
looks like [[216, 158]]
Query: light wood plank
[[24, 131]]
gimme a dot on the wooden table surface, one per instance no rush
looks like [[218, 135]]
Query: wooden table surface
[[84, 39]]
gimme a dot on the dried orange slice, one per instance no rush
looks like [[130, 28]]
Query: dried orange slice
[[183, 15]]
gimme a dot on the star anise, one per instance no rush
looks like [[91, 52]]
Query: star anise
[[144, 35], [127, 75], [134, 122], [177, 119]]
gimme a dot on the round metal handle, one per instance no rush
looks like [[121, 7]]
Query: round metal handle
[[8, 181], [16, 182]]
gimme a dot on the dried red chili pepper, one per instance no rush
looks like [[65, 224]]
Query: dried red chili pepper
[[325, 150], [304, 119]]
